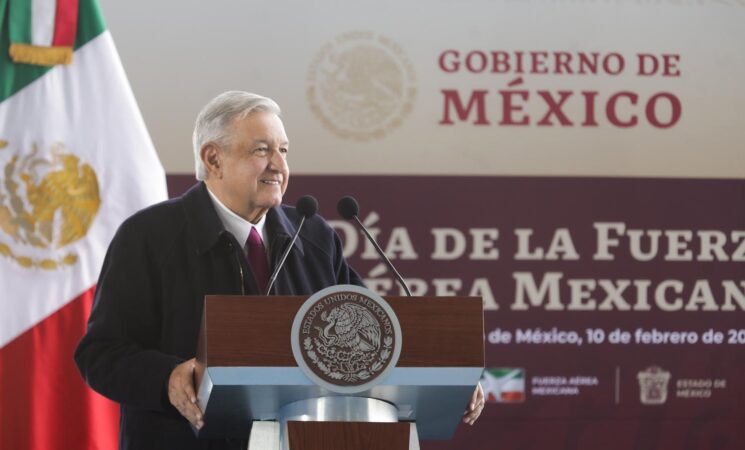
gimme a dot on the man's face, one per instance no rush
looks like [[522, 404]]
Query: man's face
[[253, 175]]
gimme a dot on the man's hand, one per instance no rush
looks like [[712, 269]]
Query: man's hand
[[475, 406], [181, 392]]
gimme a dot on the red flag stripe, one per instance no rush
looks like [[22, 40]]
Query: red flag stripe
[[513, 396], [65, 23], [41, 387]]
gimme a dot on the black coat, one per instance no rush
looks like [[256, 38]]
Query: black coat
[[148, 306]]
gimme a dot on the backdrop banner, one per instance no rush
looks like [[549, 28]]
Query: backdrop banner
[[622, 88], [612, 305]]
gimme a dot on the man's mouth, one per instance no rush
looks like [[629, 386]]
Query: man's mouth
[[271, 182]]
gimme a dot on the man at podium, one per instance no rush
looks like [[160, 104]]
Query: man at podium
[[221, 237]]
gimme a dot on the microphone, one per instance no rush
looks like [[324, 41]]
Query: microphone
[[306, 205], [349, 209]]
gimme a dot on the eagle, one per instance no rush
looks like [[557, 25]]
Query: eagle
[[351, 326], [71, 189]]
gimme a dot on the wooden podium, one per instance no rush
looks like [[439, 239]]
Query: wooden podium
[[248, 378]]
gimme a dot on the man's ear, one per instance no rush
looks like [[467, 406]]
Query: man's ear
[[212, 159]]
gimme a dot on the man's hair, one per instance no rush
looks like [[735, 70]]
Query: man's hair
[[214, 119]]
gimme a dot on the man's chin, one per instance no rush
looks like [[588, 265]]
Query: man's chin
[[272, 203]]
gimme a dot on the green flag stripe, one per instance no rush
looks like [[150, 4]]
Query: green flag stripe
[[14, 77], [19, 21], [506, 371]]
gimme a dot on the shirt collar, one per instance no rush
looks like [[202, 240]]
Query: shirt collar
[[235, 224]]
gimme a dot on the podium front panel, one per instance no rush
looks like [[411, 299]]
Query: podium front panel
[[246, 370]]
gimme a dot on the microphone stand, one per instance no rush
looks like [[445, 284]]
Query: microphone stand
[[387, 261]]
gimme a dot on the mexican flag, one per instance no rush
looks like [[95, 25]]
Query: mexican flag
[[504, 385], [75, 161]]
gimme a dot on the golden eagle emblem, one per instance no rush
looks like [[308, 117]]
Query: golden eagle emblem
[[46, 204]]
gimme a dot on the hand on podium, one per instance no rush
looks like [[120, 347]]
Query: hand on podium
[[182, 395], [475, 406]]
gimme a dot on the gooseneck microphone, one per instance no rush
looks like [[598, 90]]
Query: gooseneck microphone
[[349, 209], [307, 206]]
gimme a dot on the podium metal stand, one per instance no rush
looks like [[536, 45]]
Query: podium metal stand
[[247, 377]]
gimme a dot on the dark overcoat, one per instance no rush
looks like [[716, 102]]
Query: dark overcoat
[[148, 305]]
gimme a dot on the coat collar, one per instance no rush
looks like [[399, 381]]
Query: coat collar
[[205, 227], [280, 229]]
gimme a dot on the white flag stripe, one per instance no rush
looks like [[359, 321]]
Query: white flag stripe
[[507, 378], [513, 385], [104, 130], [43, 13]]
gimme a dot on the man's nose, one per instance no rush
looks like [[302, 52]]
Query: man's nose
[[277, 159]]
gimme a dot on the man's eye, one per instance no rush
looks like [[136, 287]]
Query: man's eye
[[283, 150]]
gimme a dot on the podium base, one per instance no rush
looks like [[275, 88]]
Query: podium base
[[335, 422], [264, 435]]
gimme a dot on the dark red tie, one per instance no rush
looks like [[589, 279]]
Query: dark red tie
[[258, 260]]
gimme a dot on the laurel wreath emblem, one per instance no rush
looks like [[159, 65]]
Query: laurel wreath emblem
[[347, 365]]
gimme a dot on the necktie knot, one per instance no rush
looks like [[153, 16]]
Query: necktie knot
[[254, 239], [257, 259]]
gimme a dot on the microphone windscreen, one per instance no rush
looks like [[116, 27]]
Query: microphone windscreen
[[348, 207], [307, 205]]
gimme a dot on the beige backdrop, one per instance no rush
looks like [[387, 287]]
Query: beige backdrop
[[178, 54]]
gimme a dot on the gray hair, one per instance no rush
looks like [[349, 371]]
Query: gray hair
[[218, 114]]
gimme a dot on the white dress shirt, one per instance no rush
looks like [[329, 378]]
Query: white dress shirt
[[237, 225]]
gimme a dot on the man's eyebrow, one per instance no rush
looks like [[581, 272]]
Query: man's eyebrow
[[266, 142]]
